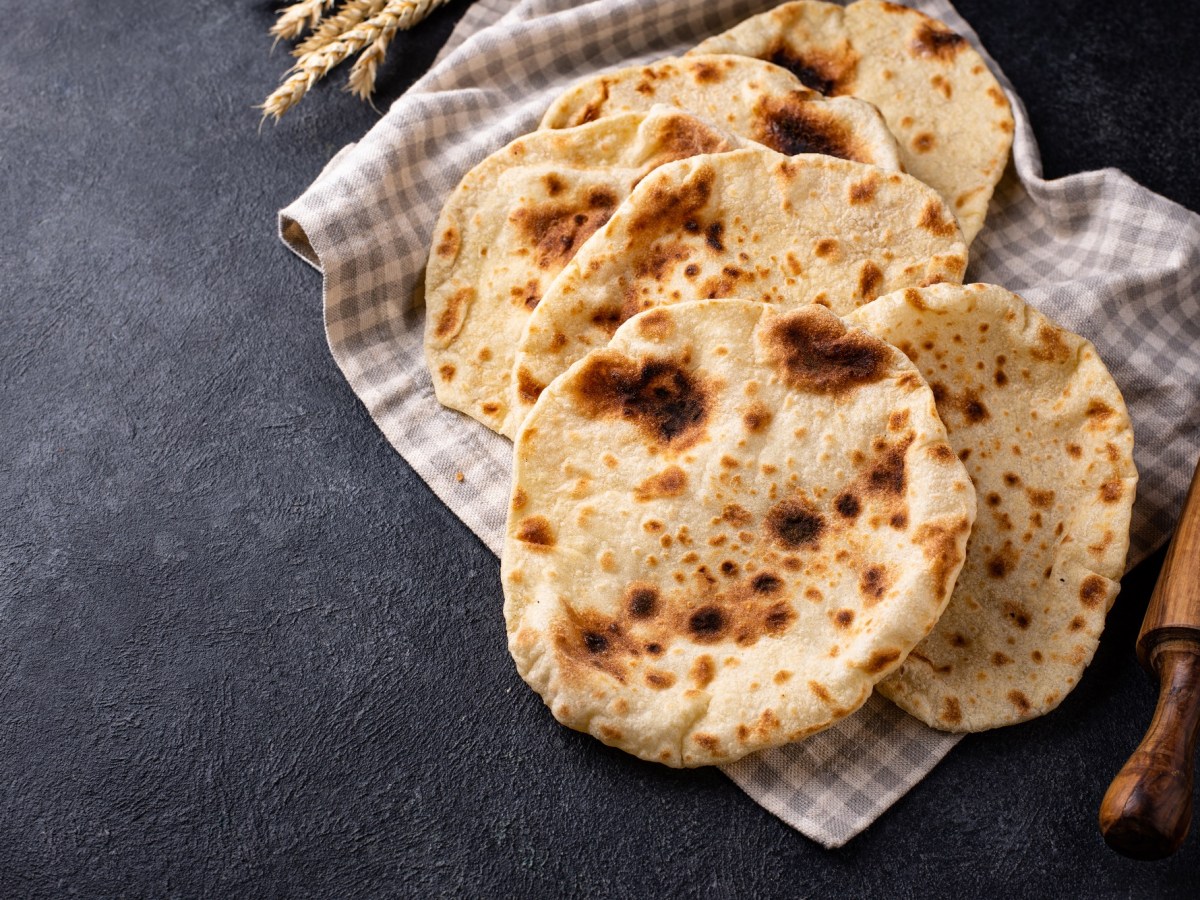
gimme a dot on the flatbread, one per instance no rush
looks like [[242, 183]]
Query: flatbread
[[726, 526], [749, 97], [512, 224], [1044, 433], [749, 224], [949, 114]]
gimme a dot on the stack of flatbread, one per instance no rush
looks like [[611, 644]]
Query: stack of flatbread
[[770, 452]]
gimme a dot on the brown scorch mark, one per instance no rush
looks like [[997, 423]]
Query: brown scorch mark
[[557, 230], [669, 405], [682, 136], [1093, 591], [815, 352], [536, 532], [668, 207], [756, 417], [937, 42], [934, 221], [829, 73], [794, 523], [670, 482], [450, 319], [873, 584], [791, 125]]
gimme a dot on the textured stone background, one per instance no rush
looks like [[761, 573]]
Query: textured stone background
[[244, 651]]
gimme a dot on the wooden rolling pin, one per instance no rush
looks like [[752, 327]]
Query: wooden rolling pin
[[1148, 807]]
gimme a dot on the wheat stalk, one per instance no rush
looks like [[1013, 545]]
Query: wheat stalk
[[365, 26], [348, 15], [299, 18], [314, 66], [400, 15]]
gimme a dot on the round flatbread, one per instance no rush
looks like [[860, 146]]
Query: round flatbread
[[1043, 431], [749, 97], [726, 527], [948, 113], [511, 225], [751, 224]]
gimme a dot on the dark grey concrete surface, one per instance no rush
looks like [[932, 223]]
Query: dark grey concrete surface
[[245, 652]]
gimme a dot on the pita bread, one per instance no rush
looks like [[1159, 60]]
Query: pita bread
[[1043, 430], [726, 527], [749, 97], [947, 111], [749, 224], [512, 224]]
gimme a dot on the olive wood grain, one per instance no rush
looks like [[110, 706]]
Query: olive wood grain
[[1148, 808]]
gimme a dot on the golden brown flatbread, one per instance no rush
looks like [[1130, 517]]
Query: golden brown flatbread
[[1043, 430], [726, 526], [750, 224], [514, 222], [754, 99], [949, 114]]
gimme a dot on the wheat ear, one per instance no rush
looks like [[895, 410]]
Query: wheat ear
[[383, 18], [349, 14], [314, 66], [400, 15], [299, 18]]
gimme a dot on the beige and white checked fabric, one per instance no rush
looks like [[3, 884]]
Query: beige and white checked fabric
[[1099, 253]]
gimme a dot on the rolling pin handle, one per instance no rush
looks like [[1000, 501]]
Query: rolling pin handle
[[1148, 808]]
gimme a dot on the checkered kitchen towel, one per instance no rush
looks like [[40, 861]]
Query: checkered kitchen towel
[[1102, 255]]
